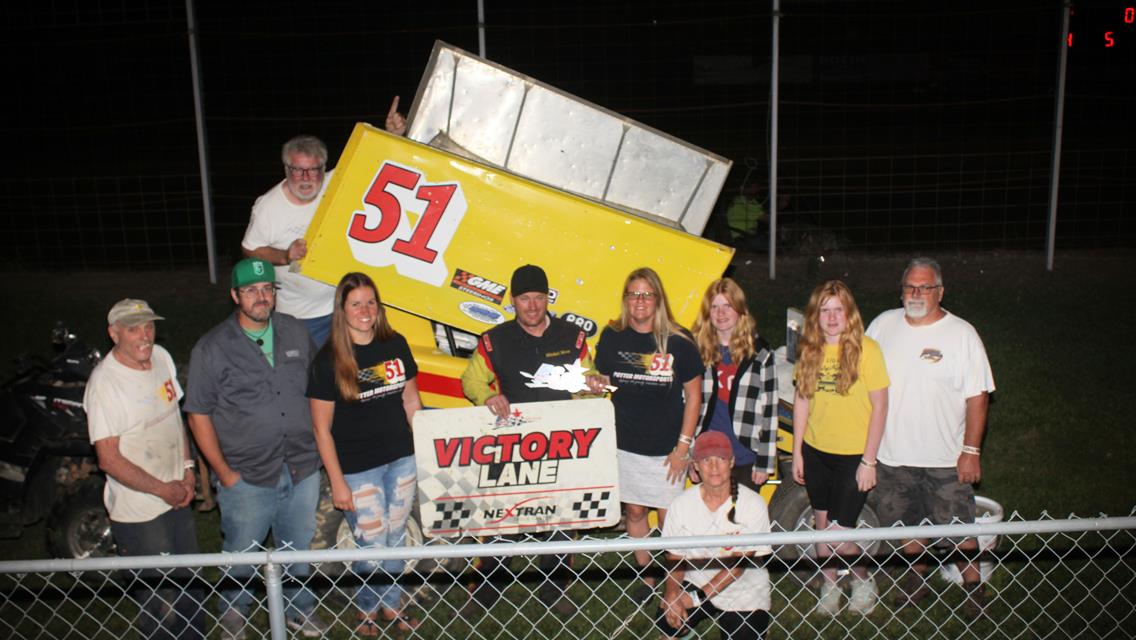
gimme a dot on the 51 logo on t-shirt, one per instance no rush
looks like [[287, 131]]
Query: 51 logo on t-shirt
[[167, 391], [394, 370], [660, 364], [384, 374]]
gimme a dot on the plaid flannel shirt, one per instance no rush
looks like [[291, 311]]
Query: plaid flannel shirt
[[753, 402]]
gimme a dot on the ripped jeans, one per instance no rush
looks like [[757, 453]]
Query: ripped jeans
[[383, 498]]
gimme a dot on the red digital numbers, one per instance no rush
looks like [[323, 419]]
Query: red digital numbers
[[1112, 34]]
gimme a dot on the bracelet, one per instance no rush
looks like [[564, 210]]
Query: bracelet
[[974, 451], [870, 465], [695, 598], [190, 464], [687, 440]]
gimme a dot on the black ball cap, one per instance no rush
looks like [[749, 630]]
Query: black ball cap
[[529, 278]]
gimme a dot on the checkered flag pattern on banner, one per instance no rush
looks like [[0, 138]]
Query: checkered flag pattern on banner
[[591, 506], [451, 514]]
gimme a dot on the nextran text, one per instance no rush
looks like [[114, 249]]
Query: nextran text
[[515, 447]]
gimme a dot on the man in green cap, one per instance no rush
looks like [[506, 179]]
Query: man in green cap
[[248, 412]]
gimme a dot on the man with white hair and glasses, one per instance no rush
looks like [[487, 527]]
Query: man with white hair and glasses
[[930, 454]]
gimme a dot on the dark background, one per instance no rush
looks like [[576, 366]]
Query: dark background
[[903, 124]]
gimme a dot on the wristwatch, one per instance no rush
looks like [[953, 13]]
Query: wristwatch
[[696, 597]]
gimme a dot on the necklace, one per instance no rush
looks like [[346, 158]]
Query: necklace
[[258, 338]]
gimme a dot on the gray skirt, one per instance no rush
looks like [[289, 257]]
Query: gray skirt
[[643, 480]]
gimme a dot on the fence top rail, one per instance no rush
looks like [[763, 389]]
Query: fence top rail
[[593, 545]]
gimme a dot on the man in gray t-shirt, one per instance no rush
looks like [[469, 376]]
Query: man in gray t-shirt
[[251, 420]]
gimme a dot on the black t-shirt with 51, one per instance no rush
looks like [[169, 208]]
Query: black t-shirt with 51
[[373, 430], [649, 396]]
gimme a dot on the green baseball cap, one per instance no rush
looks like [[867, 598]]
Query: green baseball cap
[[251, 271]]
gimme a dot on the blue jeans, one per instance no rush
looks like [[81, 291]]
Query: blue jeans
[[169, 603], [248, 511], [383, 498], [319, 328]]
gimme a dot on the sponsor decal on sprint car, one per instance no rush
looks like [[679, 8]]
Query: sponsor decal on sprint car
[[482, 312], [478, 286], [586, 324]]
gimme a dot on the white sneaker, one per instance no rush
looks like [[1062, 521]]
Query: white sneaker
[[310, 627], [829, 601], [864, 596]]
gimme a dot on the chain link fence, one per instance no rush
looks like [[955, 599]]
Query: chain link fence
[[1047, 578]]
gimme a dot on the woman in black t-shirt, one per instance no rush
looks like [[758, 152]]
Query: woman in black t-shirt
[[363, 397], [657, 372]]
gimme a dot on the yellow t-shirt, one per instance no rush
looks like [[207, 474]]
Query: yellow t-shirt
[[839, 423]]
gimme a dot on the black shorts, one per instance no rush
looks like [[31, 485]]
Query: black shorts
[[734, 625], [830, 480]]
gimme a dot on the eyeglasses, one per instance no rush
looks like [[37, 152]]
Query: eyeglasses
[[924, 289], [256, 292], [304, 172], [639, 295]]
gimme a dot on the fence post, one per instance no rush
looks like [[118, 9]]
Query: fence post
[[275, 594]]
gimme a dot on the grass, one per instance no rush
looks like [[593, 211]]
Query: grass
[[1059, 439]]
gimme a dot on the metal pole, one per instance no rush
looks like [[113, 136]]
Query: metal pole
[[481, 28], [1058, 130], [202, 158], [274, 592], [773, 96]]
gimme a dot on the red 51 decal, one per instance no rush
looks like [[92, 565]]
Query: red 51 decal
[[380, 235]]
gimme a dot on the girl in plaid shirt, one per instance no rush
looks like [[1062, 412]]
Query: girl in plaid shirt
[[739, 387]]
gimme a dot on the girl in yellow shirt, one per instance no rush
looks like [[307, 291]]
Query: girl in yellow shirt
[[838, 421]]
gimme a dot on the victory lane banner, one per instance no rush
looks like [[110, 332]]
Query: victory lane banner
[[549, 465]]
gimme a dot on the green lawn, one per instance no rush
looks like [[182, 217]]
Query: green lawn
[[1060, 439]]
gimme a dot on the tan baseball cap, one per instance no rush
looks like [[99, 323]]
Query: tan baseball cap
[[130, 312]]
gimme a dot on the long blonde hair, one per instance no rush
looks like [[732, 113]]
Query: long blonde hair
[[664, 325], [811, 351], [342, 348], [706, 335]]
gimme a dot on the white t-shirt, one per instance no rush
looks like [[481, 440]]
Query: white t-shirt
[[276, 223], [933, 370], [689, 516], [141, 409]]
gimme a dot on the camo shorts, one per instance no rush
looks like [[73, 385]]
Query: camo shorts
[[912, 495]]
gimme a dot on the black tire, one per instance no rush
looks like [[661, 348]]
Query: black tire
[[79, 526], [789, 510]]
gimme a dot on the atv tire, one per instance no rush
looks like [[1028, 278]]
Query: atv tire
[[79, 526]]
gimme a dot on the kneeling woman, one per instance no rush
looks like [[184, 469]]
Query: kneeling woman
[[363, 398], [720, 583]]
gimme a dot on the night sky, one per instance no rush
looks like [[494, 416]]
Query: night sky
[[900, 121]]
